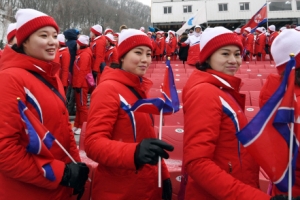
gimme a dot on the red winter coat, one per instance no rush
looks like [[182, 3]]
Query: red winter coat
[[110, 140], [98, 49], [82, 66], [65, 57], [272, 37], [212, 106], [20, 178], [260, 43], [111, 55], [249, 41], [194, 50], [171, 46], [272, 83]]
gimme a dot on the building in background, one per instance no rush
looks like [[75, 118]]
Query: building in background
[[172, 14]]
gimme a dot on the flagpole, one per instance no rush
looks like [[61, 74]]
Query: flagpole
[[290, 155], [267, 14], [290, 161], [64, 150], [160, 137], [206, 15]]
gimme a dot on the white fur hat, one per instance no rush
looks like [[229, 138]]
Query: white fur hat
[[83, 40], [237, 30], [214, 38], [11, 31], [61, 39], [110, 38], [29, 21], [108, 30], [142, 29], [272, 28], [248, 29], [96, 29], [288, 41]]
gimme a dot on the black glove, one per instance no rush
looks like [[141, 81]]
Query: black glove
[[78, 90], [279, 197], [167, 189], [179, 44], [161, 55], [102, 66], [75, 176], [148, 151], [254, 55], [247, 52], [259, 54], [94, 74], [78, 192]]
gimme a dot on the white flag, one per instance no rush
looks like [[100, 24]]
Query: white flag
[[198, 18]]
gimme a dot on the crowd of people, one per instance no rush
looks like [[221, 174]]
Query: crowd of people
[[49, 70]]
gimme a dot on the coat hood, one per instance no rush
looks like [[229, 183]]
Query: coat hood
[[12, 59], [71, 34], [141, 85]]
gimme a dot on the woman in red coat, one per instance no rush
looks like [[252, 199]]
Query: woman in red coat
[[26, 68], [111, 53], [218, 167], [123, 143], [82, 66], [64, 60], [171, 45], [288, 41]]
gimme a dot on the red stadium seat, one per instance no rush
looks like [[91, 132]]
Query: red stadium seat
[[251, 111], [249, 62], [242, 75], [177, 66], [254, 96], [269, 70], [159, 70], [263, 62], [248, 102], [245, 71], [256, 66], [251, 85], [154, 92], [258, 75], [272, 66], [175, 119], [180, 75], [178, 70]]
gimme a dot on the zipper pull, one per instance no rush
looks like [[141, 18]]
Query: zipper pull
[[230, 167]]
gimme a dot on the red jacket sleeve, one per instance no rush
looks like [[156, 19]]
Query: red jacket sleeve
[[250, 42], [65, 62], [268, 89], [99, 53], [84, 64], [162, 45], [101, 120], [15, 161], [199, 147]]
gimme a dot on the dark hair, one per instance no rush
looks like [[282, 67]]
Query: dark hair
[[166, 34], [116, 65], [203, 66], [18, 49], [83, 47]]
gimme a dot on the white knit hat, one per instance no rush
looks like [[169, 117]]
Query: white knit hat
[[96, 29], [110, 38], [214, 38], [142, 29], [297, 28], [29, 21], [108, 30], [248, 29], [160, 33], [288, 41], [149, 33], [237, 30], [272, 28], [282, 28], [61, 39], [131, 38], [83, 40], [171, 32], [259, 29], [11, 31]]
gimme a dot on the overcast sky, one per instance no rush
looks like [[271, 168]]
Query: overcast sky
[[146, 2]]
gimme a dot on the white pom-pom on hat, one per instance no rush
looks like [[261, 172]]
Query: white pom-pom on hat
[[288, 41]]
